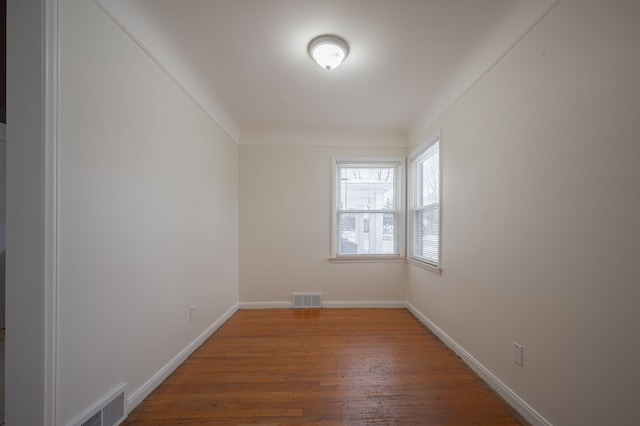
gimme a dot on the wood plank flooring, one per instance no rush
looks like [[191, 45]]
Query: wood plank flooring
[[323, 367]]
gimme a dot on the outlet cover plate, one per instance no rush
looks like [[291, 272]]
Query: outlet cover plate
[[517, 353]]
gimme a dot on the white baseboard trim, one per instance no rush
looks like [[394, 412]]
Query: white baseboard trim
[[325, 304], [139, 395], [265, 305], [336, 304], [531, 415]]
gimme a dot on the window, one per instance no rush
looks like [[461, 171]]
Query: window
[[367, 208], [424, 204]]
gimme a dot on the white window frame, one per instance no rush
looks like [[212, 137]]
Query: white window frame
[[399, 207], [415, 157]]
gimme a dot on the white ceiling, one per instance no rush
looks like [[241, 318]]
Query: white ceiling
[[246, 61]]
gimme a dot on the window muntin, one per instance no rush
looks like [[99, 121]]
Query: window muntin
[[367, 216], [424, 207]]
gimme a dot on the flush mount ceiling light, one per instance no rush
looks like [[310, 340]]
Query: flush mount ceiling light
[[328, 51]]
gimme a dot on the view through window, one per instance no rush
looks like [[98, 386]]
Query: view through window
[[367, 212], [425, 205]]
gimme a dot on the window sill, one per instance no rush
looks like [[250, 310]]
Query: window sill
[[368, 259], [424, 265]]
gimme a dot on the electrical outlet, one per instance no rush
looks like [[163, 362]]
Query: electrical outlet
[[192, 313], [517, 353]]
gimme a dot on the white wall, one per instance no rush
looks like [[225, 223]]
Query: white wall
[[285, 219], [541, 201], [148, 213], [25, 289]]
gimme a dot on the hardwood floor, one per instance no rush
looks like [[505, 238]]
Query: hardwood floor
[[323, 367]]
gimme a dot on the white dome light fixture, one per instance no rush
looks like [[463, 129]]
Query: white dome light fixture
[[328, 51]]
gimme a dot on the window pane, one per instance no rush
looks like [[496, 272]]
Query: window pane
[[369, 188], [427, 224], [428, 179], [367, 233]]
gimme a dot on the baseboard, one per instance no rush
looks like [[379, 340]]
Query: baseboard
[[362, 304], [265, 305], [325, 304], [531, 415], [138, 396]]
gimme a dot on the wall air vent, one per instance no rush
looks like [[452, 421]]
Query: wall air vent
[[110, 411], [307, 300]]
